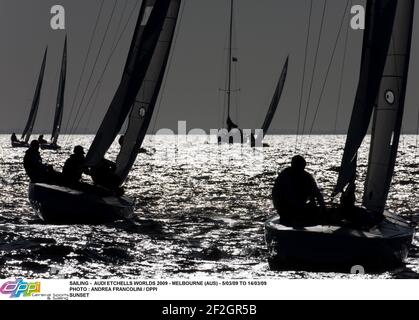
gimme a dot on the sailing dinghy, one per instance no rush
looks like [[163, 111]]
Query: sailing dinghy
[[135, 99], [58, 118], [381, 90], [27, 132]]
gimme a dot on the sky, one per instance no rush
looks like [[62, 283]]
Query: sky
[[266, 32]]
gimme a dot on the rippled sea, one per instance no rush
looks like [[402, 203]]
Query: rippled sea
[[200, 211]]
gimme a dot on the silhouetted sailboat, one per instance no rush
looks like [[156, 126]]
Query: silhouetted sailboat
[[135, 98], [27, 132], [232, 133], [258, 140], [386, 239], [59, 108]]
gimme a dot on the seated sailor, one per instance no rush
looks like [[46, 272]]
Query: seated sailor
[[35, 169], [74, 167], [41, 139], [104, 176], [295, 195], [14, 138]]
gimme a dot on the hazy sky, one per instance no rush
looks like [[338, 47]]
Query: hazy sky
[[267, 31]]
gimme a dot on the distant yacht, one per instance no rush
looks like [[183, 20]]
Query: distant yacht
[[59, 107], [27, 132]]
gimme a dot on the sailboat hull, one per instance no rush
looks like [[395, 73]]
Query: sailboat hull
[[61, 205], [20, 144], [385, 245], [50, 146]]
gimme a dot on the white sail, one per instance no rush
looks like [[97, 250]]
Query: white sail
[[145, 101], [388, 113]]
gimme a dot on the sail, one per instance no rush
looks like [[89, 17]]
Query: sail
[[275, 100], [380, 16], [146, 98], [60, 97], [147, 33], [27, 132], [388, 113]]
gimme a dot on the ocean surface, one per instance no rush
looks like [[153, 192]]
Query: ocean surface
[[200, 211]]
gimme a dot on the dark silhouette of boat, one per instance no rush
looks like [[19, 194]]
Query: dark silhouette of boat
[[381, 91], [135, 100]]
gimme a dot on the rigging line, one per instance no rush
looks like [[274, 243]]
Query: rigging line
[[169, 64], [237, 104], [109, 59], [342, 71], [76, 121], [328, 70], [91, 110], [304, 75], [315, 65], [118, 31], [236, 65], [84, 66]]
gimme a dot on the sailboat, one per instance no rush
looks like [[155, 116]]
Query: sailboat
[[381, 94], [59, 109], [27, 132], [258, 140], [232, 134], [135, 99]]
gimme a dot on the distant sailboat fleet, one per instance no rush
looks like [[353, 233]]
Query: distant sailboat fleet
[[357, 235], [27, 132]]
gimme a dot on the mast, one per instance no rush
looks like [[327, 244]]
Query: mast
[[389, 109], [380, 15], [230, 59], [147, 32], [27, 132], [276, 98], [60, 97]]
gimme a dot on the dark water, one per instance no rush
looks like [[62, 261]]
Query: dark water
[[200, 212]]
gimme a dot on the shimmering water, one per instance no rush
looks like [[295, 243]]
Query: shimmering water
[[200, 211]]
